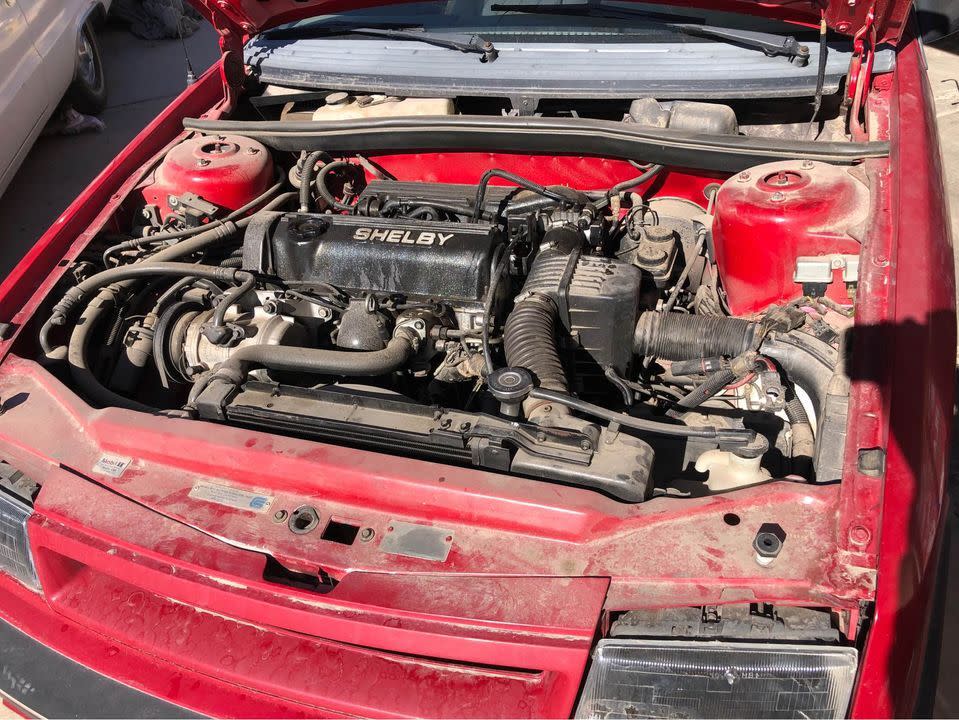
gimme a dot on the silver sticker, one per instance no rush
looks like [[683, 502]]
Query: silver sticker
[[419, 541], [231, 497], [112, 465]]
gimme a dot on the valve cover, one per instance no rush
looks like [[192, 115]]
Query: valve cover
[[413, 258]]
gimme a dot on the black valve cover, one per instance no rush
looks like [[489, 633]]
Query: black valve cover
[[415, 258]]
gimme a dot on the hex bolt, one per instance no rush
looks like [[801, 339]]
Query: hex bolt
[[203, 162], [280, 515], [768, 543], [743, 177], [367, 534], [777, 196], [807, 165], [585, 445]]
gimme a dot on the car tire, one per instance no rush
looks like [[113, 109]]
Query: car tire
[[88, 93]]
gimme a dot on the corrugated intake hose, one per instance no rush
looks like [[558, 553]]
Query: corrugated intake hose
[[529, 338], [677, 336]]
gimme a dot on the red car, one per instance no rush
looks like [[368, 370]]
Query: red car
[[497, 359]]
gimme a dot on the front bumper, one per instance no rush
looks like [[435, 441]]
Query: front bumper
[[45, 683]]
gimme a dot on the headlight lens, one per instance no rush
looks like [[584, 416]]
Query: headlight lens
[[660, 679], [15, 556]]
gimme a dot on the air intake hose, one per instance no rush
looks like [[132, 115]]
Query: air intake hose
[[529, 336], [676, 336], [530, 341]]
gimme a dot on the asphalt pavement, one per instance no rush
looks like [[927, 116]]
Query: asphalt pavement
[[143, 77]]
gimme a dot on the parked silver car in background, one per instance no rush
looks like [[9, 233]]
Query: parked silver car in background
[[48, 49]]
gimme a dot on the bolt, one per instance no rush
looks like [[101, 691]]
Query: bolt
[[768, 542], [777, 196], [859, 535], [464, 426], [585, 445], [279, 516], [743, 177], [203, 162], [807, 165], [446, 422], [253, 151], [367, 534], [541, 436]]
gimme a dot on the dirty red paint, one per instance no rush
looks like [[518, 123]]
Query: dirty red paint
[[167, 593]]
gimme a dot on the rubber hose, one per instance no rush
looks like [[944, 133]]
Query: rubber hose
[[394, 356], [306, 178], [803, 442], [323, 190], [167, 236], [529, 339], [551, 193], [371, 363], [633, 182], [81, 373], [231, 296], [79, 338], [677, 336], [713, 384]]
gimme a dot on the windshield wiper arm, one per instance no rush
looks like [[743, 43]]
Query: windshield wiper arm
[[462, 43], [768, 43]]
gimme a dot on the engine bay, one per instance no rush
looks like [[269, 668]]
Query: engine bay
[[666, 333]]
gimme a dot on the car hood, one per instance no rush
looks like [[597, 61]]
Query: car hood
[[847, 17]]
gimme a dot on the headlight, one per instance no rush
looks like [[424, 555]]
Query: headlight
[[659, 679], [15, 556]]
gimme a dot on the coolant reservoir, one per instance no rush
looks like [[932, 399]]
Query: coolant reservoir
[[728, 471], [343, 106], [781, 225]]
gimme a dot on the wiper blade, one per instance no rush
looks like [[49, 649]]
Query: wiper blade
[[768, 43], [460, 42]]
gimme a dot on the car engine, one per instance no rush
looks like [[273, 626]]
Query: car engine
[[576, 336]]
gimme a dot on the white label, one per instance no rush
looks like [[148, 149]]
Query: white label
[[112, 465], [231, 497]]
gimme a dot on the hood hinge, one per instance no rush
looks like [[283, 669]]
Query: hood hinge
[[860, 73], [232, 72]]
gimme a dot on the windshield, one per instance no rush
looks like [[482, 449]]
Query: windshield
[[627, 21]]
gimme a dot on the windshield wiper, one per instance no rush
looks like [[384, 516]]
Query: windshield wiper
[[463, 43], [768, 43]]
